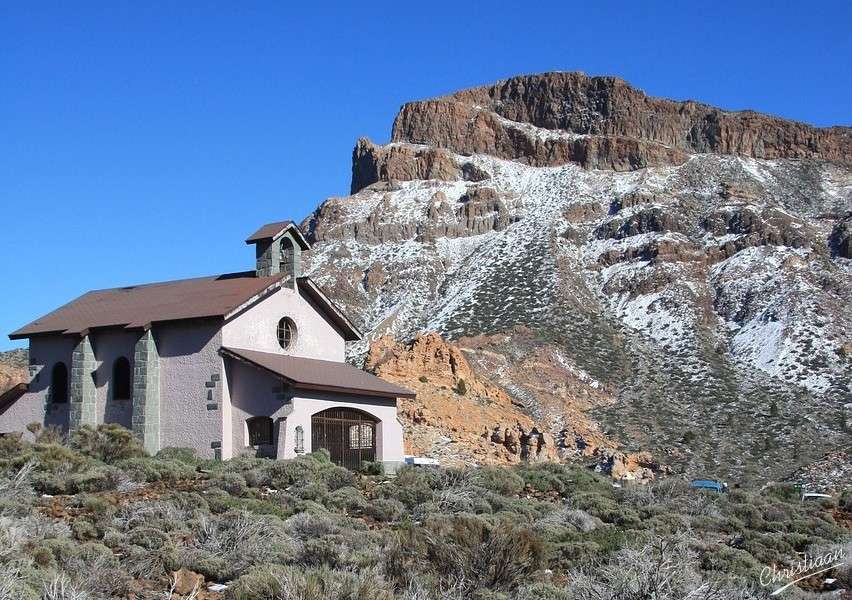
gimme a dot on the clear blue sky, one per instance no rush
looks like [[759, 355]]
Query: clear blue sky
[[143, 141]]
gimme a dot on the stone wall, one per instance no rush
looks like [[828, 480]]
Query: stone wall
[[83, 393], [146, 392]]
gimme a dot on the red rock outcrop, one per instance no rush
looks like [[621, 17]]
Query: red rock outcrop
[[620, 127], [458, 416], [372, 163]]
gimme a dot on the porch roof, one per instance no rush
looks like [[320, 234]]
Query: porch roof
[[320, 375]]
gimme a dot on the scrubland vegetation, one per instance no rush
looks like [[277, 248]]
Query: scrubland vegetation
[[94, 517]]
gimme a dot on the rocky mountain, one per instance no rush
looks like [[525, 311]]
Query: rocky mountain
[[13, 368], [693, 262]]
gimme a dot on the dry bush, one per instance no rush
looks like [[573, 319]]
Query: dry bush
[[108, 443], [225, 545], [277, 582], [305, 526], [155, 513], [146, 469], [566, 516], [17, 485], [662, 569], [13, 584], [466, 550], [60, 587]]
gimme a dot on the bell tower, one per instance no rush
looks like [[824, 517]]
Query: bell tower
[[278, 249]]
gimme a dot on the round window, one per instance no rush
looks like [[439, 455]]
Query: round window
[[286, 332]]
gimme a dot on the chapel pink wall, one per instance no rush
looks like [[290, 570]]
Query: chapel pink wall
[[108, 346], [45, 352], [188, 359], [251, 394], [257, 328]]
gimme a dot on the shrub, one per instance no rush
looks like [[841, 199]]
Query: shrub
[[225, 545], [233, 483], [467, 549], [411, 486], [51, 434], [347, 498], [784, 491], [11, 445], [498, 479], [543, 591], [461, 387], [730, 561], [108, 443], [578, 520], [318, 552], [314, 468], [90, 566], [305, 525], [156, 469], [375, 469], [261, 581], [845, 501], [94, 479], [149, 538], [385, 509], [84, 529], [321, 583], [553, 477], [257, 478], [184, 455]]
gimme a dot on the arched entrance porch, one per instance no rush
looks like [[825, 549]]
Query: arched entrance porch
[[348, 434]]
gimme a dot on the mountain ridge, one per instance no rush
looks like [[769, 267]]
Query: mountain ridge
[[710, 291], [598, 122]]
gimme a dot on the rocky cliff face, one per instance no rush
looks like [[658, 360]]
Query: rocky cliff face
[[693, 263], [602, 122]]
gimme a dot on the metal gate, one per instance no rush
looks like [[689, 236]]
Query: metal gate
[[349, 435]]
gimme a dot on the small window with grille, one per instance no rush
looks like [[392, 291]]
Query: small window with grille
[[361, 436], [259, 431]]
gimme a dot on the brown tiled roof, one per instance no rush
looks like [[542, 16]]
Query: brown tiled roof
[[273, 230], [140, 305], [321, 375]]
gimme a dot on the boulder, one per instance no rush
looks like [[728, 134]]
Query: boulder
[[187, 581]]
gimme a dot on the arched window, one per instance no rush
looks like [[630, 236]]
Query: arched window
[[259, 431], [59, 383], [121, 379], [287, 262], [286, 332]]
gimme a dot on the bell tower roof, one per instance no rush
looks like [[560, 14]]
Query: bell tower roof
[[273, 231]]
